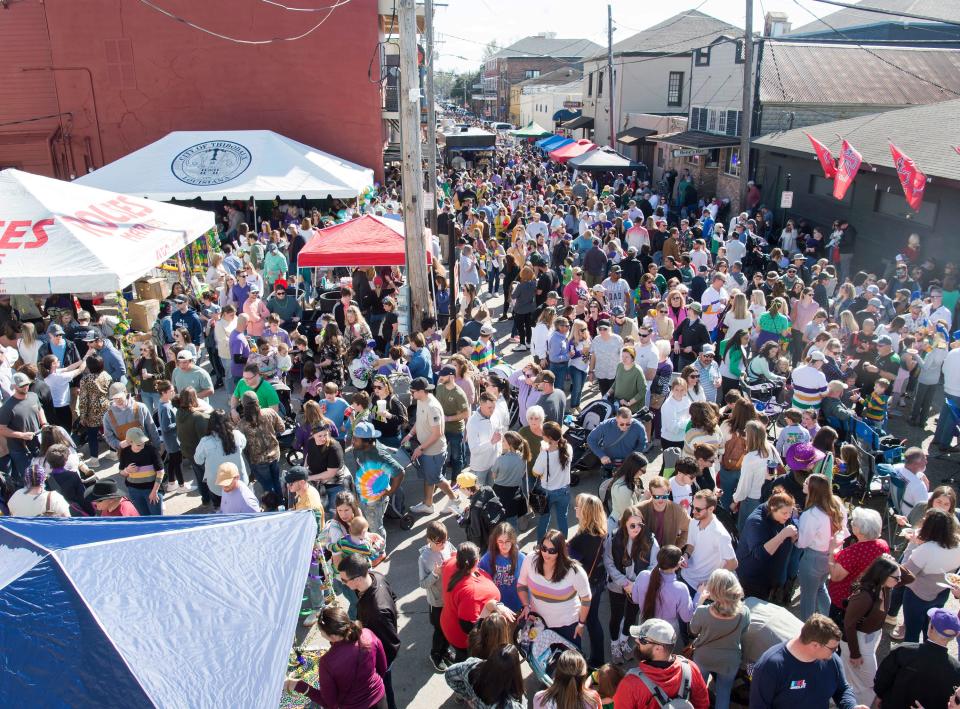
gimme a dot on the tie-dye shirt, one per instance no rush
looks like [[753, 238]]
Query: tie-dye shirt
[[557, 602]]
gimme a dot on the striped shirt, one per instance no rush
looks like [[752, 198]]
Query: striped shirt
[[484, 356], [809, 387], [557, 602], [875, 408], [149, 467]]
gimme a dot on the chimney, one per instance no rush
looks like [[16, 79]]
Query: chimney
[[776, 24]]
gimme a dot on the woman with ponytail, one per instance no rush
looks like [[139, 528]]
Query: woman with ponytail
[[569, 690], [660, 594], [350, 673], [552, 470], [468, 595], [822, 530]]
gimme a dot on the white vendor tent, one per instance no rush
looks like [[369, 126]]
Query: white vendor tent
[[237, 164], [61, 237]]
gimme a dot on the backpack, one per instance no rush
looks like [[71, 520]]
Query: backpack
[[733, 452], [682, 700], [400, 383]]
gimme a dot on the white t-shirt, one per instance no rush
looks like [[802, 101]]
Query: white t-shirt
[[681, 494], [648, 357], [557, 602], [712, 547], [24, 504], [59, 384], [753, 473], [429, 415], [816, 532], [553, 475], [915, 493]]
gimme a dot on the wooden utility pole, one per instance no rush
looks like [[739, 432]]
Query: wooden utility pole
[[611, 83], [411, 167], [746, 123], [431, 205]]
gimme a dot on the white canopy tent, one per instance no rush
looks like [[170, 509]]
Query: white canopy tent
[[61, 237], [238, 164]]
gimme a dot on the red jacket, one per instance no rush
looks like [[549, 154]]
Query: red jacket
[[632, 693]]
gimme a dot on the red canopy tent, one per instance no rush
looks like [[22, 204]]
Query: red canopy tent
[[367, 241], [572, 150]]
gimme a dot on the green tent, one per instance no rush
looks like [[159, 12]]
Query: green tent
[[531, 131]]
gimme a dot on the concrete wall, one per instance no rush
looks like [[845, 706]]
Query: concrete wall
[[875, 206], [640, 87], [136, 75]]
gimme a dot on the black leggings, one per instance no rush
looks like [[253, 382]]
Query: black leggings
[[622, 609], [523, 326]]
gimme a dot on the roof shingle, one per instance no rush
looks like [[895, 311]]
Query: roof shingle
[[840, 74], [541, 46], [848, 18], [683, 32]]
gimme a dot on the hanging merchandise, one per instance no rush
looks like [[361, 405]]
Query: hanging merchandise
[[912, 180], [847, 168], [824, 156]]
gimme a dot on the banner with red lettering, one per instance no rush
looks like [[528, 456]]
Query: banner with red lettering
[[61, 237], [913, 181], [847, 167], [824, 156]]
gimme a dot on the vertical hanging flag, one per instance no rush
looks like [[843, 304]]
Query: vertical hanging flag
[[911, 179], [847, 168], [824, 156]]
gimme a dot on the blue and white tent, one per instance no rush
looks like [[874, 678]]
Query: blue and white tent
[[192, 611]]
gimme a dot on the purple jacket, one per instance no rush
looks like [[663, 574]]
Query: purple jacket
[[527, 395], [350, 674]]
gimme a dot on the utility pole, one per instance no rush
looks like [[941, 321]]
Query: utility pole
[[411, 167], [746, 123], [431, 205], [613, 127]]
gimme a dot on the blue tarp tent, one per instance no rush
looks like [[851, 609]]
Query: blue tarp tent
[[540, 142], [192, 611], [557, 142]]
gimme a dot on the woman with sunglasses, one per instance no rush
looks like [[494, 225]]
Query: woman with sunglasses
[[626, 553], [555, 587], [695, 391], [863, 623], [552, 468], [388, 414]]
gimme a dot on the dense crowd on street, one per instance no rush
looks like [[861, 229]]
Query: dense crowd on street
[[750, 356]]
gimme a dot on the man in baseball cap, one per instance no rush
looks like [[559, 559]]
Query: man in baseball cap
[[662, 674], [431, 452]]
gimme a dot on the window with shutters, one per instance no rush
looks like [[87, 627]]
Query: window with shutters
[[738, 57], [733, 123], [675, 89], [599, 84], [722, 122], [590, 84], [712, 120], [702, 57], [731, 165]]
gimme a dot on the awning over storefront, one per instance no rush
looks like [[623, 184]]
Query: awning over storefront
[[571, 150], [565, 114], [634, 135], [555, 142], [697, 139], [579, 122]]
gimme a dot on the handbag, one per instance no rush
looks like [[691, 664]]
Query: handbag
[[538, 495], [691, 647]]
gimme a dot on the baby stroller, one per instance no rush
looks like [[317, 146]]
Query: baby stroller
[[540, 647], [764, 398], [580, 427]]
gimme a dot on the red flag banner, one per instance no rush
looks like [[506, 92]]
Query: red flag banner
[[847, 168], [824, 156], [911, 179], [957, 148]]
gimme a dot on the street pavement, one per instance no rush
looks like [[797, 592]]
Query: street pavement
[[416, 684]]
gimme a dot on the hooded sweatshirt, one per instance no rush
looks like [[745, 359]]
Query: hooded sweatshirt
[[632, 693], [429, 580]]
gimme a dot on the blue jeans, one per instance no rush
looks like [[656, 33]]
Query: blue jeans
[[268, 475], [93, 440], [493, 279], [20, 460], [150, 399], [727, 480], [332, 492], [560, 372], [577, 379], [140, 499], [374, 512], [557, 503], [812, 574], [229, 382], [722, 687], [568, 632], [947, 425], [915, 613], [594, 626], [455, 454]]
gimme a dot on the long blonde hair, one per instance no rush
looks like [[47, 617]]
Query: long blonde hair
[[726, 592], [756, 438], [758, 297], [848, 322], [740, 311], [593, 518]]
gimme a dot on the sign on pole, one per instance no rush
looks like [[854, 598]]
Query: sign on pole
[[786, 200]]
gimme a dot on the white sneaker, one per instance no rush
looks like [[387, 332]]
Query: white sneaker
[[188, 486], [310, 620], [422, 509], [452, 506]]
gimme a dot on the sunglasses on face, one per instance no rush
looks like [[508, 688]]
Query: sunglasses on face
[[635, 525], [661, 497], [697, 509], [548, 550]]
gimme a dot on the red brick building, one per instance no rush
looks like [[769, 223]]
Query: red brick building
[[84, 83]]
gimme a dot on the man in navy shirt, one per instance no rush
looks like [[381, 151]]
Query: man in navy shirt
[[804, 672]]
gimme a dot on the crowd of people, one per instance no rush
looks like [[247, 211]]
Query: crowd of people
[[677, 317]]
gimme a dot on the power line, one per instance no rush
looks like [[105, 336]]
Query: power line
[[237, 40], [302, 9], [675, 20], [877, 56]]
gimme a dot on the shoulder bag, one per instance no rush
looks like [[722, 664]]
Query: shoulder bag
[[691, 647], [538, 495]]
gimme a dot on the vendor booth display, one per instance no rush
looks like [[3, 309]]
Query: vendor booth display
[[531, 130], [97, 612], [61, 237], [602, 159], [365, 241], [239, 164], [553, 142]]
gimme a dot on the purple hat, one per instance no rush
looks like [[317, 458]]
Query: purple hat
[[944, 622], [800, 456]]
